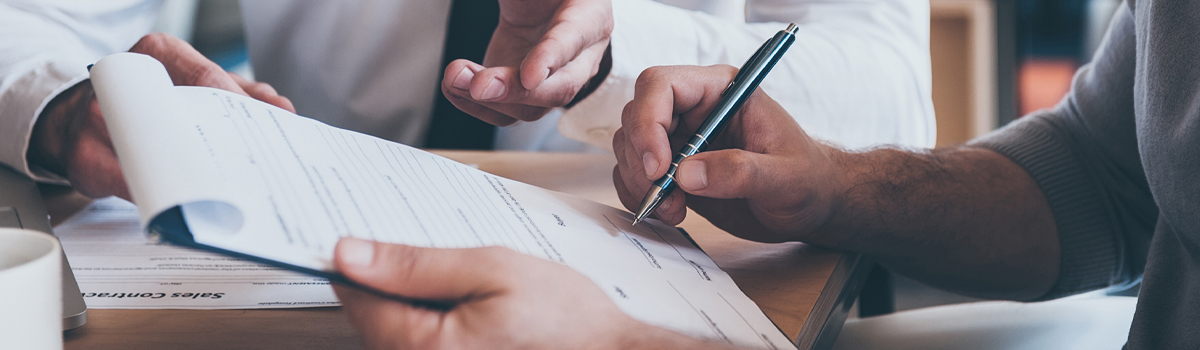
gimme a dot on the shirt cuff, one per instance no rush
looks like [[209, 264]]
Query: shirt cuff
[[24, 99], [1090, 251]]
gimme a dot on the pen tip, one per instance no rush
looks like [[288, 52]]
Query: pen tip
[[641, 216], [648, 204]]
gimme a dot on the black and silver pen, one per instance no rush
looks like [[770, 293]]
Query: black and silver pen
[[743, 84]]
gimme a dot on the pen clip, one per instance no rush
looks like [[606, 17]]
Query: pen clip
[[741, 74]]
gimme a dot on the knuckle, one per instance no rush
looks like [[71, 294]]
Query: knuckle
[[628, 116], [263, 88], [618, 141], [641, 133], [553, 41], [738, 160], [406, 260], [151, 42], [744, 165], [203, 76], [568, 14], [649, 75], [607, 27]]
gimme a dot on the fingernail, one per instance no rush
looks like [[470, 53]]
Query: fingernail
[[494, 90], [692, 175], [649, 163], [463, 80], [356, 252]]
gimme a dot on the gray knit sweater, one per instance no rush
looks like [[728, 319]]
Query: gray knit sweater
[[1119, 162]]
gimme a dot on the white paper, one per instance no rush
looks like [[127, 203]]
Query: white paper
[[263, 181], [118, 267]]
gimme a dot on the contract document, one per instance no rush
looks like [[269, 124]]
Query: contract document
[[119, 267], [220, 171]]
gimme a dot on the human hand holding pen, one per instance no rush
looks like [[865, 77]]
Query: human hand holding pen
[[763, 178], [744, 83]]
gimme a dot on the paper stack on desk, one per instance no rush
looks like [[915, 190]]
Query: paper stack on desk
[[220, 171], [118, 267]]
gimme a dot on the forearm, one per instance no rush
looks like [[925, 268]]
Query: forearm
[[965, 219]]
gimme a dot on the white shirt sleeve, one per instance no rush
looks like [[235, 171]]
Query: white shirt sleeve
[[45, 50], [857, 75]]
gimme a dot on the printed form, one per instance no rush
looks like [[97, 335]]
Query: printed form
[[259, 180], [118, 267]]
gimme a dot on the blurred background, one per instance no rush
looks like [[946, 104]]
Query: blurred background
[[993, 61], [996, 60]]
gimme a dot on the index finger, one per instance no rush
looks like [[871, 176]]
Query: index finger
[[184, 64], [661, 94], [574, 30]]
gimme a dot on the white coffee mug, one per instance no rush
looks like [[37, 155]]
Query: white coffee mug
[[30, 290]]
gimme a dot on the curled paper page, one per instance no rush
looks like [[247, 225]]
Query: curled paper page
[[149, 126]]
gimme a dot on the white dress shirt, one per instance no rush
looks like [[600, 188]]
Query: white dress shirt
[[857, 75]]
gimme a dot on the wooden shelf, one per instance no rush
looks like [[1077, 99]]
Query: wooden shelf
[[962, 47]]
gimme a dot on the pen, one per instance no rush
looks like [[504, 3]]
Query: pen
[[743, 84]]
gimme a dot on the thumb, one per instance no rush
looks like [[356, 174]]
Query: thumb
[[728, 174], [411, 272]]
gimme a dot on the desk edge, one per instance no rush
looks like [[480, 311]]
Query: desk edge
[[825, 320]]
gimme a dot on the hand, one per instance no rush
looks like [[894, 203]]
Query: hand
[[542, 54], [500, 299], [762, 178], [71, 139]]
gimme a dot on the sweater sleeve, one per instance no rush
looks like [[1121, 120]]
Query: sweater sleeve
[[1083, 154]]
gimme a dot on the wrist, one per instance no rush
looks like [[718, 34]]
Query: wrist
[[47, 143], [841, 199]]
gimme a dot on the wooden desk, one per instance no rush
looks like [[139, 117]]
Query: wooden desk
[[805, 290]]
